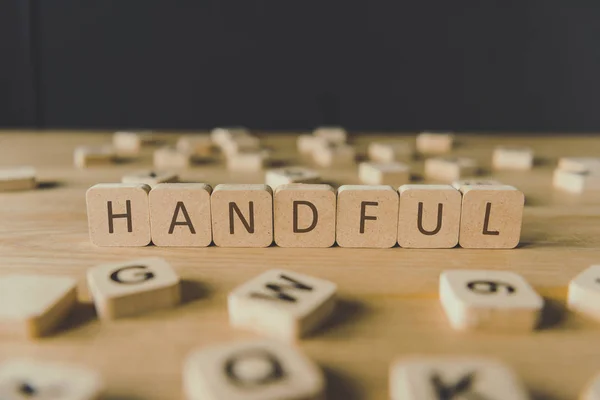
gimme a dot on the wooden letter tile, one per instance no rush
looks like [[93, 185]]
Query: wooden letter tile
[[366, 216], [239, 144], [134, 287], [307, 143], [576, 181], [335, 155], [180, 214], [492, 301], [450, 169], [434, 143], [247, 161], [91, 156], [393, 174], [448, 378], [132, 142], [517, 158], [22, 379], [584, 293], [429, 216], [17, 178], [150, 178], [34, 305], [304, 215], [390, 151], [251, 370], [580, 164], [118, 214], [333, 134], [491, 217], [169, 157], [242, 215], [282, 304], [199, 145], [283, 176]]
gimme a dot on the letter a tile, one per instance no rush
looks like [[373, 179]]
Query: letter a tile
[[282, 304], [304, 215], [252, 370], [493, 301], [118, 214], [584, 293], [436, 378], [134, 287]]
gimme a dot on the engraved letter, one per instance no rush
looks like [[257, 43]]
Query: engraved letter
[[143, 276], [363, 217], [249, 226], [315, 216], [188, 222], [486, 221], [112, 216], [279, 290], [489, 287], [420, 220], [273, 374], [462, 389]]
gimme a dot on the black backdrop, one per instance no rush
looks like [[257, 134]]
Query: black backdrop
[[380, 64]]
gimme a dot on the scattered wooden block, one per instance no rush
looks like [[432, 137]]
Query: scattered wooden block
[[450, 168], [304, 215], [576, 181], [493, 301], [251, 370], [150, 178], [198, 145], [34, 305], [240, 144], [284, 176], [491, 217], [584, 293], [390, 151], [17, 178], [474, 182], [334, 155], [393, 174], [447, 378], [307, 143], [580, 164], [434, 142], [180, 214], [134, 287], [333, 134], [169, 157], [118, 214], [132, 142], [242, 215], [282, 304], [33, 379], [513, 158], [221, 135], [592, 390], [364, 216], [250, 161], [92, 156], [429, 216]]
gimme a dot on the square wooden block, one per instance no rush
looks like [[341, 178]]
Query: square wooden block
[[169, 157], [242, 215], [180, 214], [475, 181], [251, 370], [34, 305], [365, 216], [133, 287], [282, 304], [118, 214], [447, 378], [93, 156], [304, 215], [492, 301], [22, 378], [240, 144], [333, 134], [584, 293], [126, 142], [513, 158], [150, 177], [248, 161], [335, 155], [198, 145], [580, 164], [393, 174], [434, 142], [220, 135], [391, 150], [284, 176], [491, 217], [429, 216], [17, 178], [450, 169], [576, 181]]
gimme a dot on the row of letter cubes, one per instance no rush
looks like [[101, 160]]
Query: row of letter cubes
[[305, 215]]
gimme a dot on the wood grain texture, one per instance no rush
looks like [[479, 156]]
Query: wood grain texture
[[389, 303]]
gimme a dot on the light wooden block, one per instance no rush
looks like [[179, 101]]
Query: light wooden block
[[34, 305], [391, 151], [284, 176], [393, 174], [118, 214], [126, 142], [492, 301], [434, 142], [17, 178], [250, 161], [365, 216], [580, 164], [93, 156], [512, 158], [584, 293], [491, 217], [306, 144], [592, 389], [475, 181], [450, 169], [429, 216], [449, 378], [170, 157], [242, 215], [22, 379], [281, 304], [304, 215], [251, 370], [333, 134], [576, 181], [150, 178], [134, 287], [240, 144], [180, 214], [221, 135], [198, 145], [335, 155]]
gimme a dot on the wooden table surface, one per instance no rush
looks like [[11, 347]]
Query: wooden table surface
[[388, 298]]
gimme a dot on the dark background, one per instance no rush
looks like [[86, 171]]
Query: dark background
[[367, 65]]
